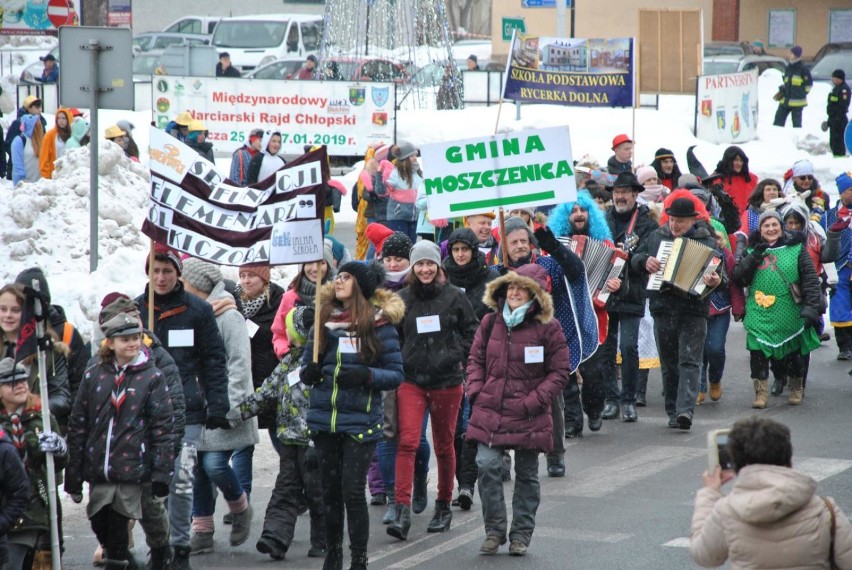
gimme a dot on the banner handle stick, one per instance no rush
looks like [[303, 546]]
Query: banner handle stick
[[320, 277], [499, 109], [503, 249], [151, 326]]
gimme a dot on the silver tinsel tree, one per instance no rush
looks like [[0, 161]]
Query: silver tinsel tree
[[411, 33]]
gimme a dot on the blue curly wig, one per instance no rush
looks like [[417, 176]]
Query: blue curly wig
[[559, 223]]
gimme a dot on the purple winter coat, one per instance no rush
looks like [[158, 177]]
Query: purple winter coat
[[510, 398]]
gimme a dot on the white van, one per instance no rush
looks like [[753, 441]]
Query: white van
[[253, 41]]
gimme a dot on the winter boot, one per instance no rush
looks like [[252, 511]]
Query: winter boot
[[778, 385], [180, 560], [401, 523], [715, 391], [441, 519], [359, 560], [699, 399], [160, 558], [241, 526], [641, 388], [420, 496], [797, 391], [390, 514], [761, 393], [333, 558]]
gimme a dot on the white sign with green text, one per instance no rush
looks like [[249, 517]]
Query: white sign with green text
[[524, 168]]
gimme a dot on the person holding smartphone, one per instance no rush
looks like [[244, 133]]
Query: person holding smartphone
[[772, 518]]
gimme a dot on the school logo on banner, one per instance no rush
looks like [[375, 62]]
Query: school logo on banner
[[380, 95], [357, 95]]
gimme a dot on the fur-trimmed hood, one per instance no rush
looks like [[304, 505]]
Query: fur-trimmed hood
[[389, 305], [526, 276]]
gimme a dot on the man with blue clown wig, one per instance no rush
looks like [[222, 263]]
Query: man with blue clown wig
[[583, 217]]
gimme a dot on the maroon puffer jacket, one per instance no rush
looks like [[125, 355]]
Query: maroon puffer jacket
[[512, 398]]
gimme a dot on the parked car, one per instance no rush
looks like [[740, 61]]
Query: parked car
[[146, 64], [280, 69], [829, 48], [370, 69], [823, 69], [193, 25], [712, 49], [161, 40], [733, 64], [254, 41]]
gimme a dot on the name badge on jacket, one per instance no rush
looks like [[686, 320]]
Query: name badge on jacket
[[533, 354], [348, 345], [429, 324], [181, 337]]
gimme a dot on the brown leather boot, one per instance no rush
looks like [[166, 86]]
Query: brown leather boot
[[797, 390]]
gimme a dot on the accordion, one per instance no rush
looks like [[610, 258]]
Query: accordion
[[603, 262], [683, 264]]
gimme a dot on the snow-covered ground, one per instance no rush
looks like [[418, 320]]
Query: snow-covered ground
[[47, 223]]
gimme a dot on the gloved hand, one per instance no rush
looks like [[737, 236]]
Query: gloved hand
[[839, 225], [353, 377], [52, 443], [76, 497], [546, 239], [217, 422], [160, 490], [778, 96], [311, 374], [311, 458], [308, 317], [760, 249], [816, 213], [810, 316]]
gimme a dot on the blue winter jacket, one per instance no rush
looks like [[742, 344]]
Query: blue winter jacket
[[201, 359], [356, 411], [19, 167]]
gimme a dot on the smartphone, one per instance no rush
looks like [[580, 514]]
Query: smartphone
[[717, 450]]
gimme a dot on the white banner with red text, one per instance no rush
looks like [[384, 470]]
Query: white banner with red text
[[726, 107], [346, 117]]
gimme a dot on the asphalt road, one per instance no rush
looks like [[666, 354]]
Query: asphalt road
[[626, 500]]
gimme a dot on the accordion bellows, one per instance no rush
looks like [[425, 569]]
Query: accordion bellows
[[603, 262], [683, 264]]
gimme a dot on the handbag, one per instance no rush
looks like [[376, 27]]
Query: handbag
[[795, 289], [833, 528]]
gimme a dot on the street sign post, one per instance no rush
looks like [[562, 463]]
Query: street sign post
[[510, 24], [97, 70]]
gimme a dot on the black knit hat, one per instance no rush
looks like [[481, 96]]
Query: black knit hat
[[26, 277], [369, 276], [465, 236], [398, 244], [839, 74], [663, 153]]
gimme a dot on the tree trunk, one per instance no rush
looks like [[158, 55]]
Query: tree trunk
[[94, 13]]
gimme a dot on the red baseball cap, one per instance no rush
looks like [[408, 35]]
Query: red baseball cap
[[620, 139]]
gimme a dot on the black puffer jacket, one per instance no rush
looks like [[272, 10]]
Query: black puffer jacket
[[166, 364], [80, 349], [435, 360], [133, 445], [631, 299], [263, 359], [667, 300], [201, 362], [14, 489], [472, 279]]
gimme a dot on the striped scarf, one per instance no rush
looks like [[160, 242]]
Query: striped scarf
[[119, 390], [18, 435]]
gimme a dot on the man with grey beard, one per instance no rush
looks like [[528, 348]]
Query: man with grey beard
[[630, 224]]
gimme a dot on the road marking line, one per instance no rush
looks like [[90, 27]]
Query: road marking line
[[581, 535], [682, 542], [645, 462], [436, 550], [821, 468]]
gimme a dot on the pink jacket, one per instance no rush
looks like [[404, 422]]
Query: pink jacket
[[280, 342], [772, 518]]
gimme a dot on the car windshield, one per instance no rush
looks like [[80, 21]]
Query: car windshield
[[145, 64], [722, 49], [278, 70], [717, 67], [249, 34], [838, 60], [347, 70]]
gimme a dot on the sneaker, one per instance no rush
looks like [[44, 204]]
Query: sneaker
[[684, 421], [241, 527], [317, 552], [379, 500], [673, 423], [180, 561], [201, 543], [465, 499], [517, 548], [491, 544], [270, 546]]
